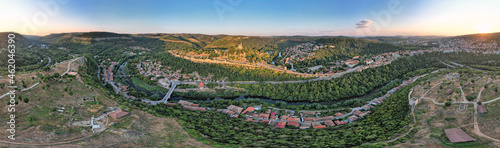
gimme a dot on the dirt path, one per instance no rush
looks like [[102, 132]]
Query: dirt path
[[478, 131], [476, 125]]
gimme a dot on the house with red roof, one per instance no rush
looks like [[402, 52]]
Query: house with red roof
[[308, 119], [319, 127], [352, 118], [338, 115], [118, 114], [329, 123], [201, 85], [357, 113], [281, 125], [293, 124], [249, 109]]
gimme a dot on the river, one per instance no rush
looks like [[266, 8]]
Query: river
[[264, 99]]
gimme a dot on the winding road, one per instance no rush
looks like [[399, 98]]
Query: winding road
[[274, 82]]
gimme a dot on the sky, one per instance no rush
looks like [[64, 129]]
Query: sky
[[253, 17]]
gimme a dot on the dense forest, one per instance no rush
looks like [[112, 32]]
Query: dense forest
[[349, 85], [346, 48]]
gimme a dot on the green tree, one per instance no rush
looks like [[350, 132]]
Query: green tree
[[447, 104], [470, 98]]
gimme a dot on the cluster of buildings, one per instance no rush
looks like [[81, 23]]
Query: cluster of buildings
[[478, 44], [301, 52], [369, 62], [381, 99], [157, 70], [136, 48], [107, 75]]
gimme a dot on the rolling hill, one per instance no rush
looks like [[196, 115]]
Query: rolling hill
[[488, 36], [85, 38]]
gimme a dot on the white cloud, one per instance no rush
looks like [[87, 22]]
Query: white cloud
[[364, 24]]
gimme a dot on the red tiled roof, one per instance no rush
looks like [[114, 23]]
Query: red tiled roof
[[264, 115], [449, 92], [338, 114], [118, 114], [235, 108], [251, 114], [281, 125], [329, 123], [357, 112], [481, 109], [319, 127], [340, 122], [316, 124], [249, 109], [353, 118], [458, 135], [283, 117], [293, 124], [308, 119]]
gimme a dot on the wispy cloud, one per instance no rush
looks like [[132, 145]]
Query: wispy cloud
[[364, 24]]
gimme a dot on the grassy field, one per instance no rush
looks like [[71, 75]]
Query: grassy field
[[433, 119], [144, 85], [492, 117], [43, 114]]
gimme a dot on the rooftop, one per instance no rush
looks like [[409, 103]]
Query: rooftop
[[458, 135]]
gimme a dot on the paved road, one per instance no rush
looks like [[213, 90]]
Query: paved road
[[457, 64], [170, 91], [491, 100], [30, 87], [21, 90], [48, 63], [274, 82], [165, 98], [69, 66]]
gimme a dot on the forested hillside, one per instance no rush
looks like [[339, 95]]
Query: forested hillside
[[349, 85], [345, 48]]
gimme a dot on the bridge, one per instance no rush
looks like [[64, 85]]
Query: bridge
[[167, 96]]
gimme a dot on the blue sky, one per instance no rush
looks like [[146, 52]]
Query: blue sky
[[252, 17]]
